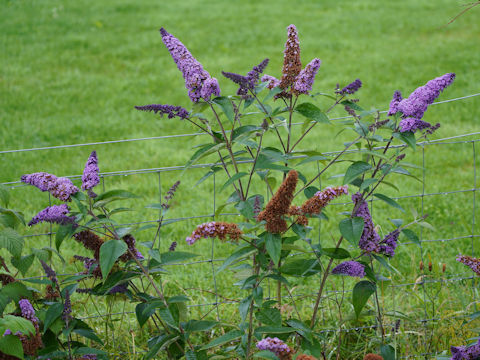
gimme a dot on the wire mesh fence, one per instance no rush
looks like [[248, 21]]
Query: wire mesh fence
[[424, 289]]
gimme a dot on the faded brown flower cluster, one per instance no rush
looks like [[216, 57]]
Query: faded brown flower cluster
[[372, 357], [292, 64], [279, 205]]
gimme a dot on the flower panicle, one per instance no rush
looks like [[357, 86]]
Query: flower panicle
[[61, 188], [277, 346], [55, 214], [90, 177], [214, 229], [51, 274], [170, 110], [350, 268], [279, 205], [351, 88], [27, 310], [197, 80], [465, 353], [292, 64], [471, 262], [304, 81]]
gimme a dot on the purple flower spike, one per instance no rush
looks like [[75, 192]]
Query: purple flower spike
[[465, 353], [304, 81], [351, 88], [417, 103], [350, 268], [7, 332], [90, 177], [275, 345], [197, 80], [27, 310], [56, 214], [397, 97], [169, 110], [119, 289], [61, 188], [369, 241]]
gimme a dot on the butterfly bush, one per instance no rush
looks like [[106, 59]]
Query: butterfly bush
[[267, 237]]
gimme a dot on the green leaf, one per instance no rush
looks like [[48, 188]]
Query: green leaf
[[109, 253], [272, 93], [226, 106], [4, 195], [352, 229], [310, 111], [389, 201], [273, 244], [355, 170], [387, 352], [63, 231], [361, 293], [265, 354], [228, 337], [16, 323], [366, 183], [237, 255], [352, 105], [412, 236], [336, 253], [270, 316], [310, 191], [244, 306], [11, 218], [12, 241], [89, 334], [53, 313], [233, 179], [409, 139], [301, 328], [13, 292], [158, 344], [143, 311], [200, 325], [167, 317], [298, 267], [23, 263], [11, 345], [175, 257]]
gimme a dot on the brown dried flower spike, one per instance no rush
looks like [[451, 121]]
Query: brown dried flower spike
[[372, 357], [279, 204], [291, 59]]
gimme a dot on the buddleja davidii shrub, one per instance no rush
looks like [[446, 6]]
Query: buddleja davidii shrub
[[268, 237], [112, 266]]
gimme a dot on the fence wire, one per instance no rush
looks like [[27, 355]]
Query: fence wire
[[423, 282]]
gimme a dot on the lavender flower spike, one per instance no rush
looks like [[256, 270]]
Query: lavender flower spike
[[197, 80], [275, 345], [169, 110], [304, 81], [350, 268], [56, 214], [369, 241], [90, 177], [27, 310], [61, 188], [467, 353], [417, 103], [351, 88], [471, 262]]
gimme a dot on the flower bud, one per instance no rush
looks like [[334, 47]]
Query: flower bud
[[421, 265], [430, 266]]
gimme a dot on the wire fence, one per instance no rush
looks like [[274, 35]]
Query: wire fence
[[411, 328]]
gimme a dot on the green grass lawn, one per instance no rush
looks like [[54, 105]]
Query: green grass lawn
[[71, 72]]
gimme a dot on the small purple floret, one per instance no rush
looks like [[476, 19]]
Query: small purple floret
[[90, 177], [350, 268], [369, 241], [272, 81], [397, 97]]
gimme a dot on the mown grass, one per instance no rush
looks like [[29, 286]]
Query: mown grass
[[72, 72]]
